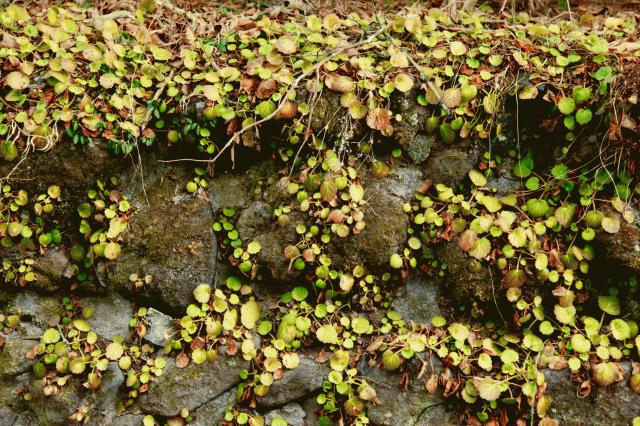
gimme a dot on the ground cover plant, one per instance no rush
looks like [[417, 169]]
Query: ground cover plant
[[338, 105]]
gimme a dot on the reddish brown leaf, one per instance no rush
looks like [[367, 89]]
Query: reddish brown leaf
[[182, 360], [266, 88]]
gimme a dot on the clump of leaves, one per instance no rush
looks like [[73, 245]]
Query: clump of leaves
[[28, 225], [103, 220], [72, 348]]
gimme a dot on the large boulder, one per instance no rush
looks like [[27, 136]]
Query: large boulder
[[192, 386], [74, 168], [386, 223], [212, 412], [237, 189], [159, 325], [13, 360], [385, 232], [256, 224], [170, 238], [111, 314], [52, 269], [450, 164], [417, 300], [623, 247], [467, 278], [38, 309], [409, 131], [296, 383], [408, 405], [292, 413], [55, 410], [615, 404]]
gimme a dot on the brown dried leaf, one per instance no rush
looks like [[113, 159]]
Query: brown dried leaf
[[266, 88], [378, 118], [467, 239], [182, 360]]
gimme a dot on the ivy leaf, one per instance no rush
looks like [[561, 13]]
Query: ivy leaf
[[399, 60], [395, 261], [583, 116], [356, 192], [457, 48], [620, 329], [564, 214], [116, 227], [112, 250], [546, 328], [467, 240], [250, 314], [566, 106], [199, 356], [299, 293], [202, 293], [328, 190], [488, 388], [524, 166], [509, 356], [491, 203], [340, 83], [515, 278], [452, 97], [581, 94], [360, 325], [160, 54], [378, 118], [611, 224], [77, 365], [50, 335], [17, 81], [291, 360], [114, 351], [537, 208], [603, 74], [609, 304], [580, 344], [230, 319], [606, 373], [565, 315], [477, 178], [390, 360], [542, 261], [357, 110], [286, 45], [481, 248], [596, 44], [254, 247], [528, 92], [518, 237], [560, 171], [265, 328], [265, 108], [484, 361], [327, 334], [533, 342], [591, 326], [403, 82], [438, 321], [458, 331]]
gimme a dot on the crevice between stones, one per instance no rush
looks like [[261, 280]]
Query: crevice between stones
[[424, 410]]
